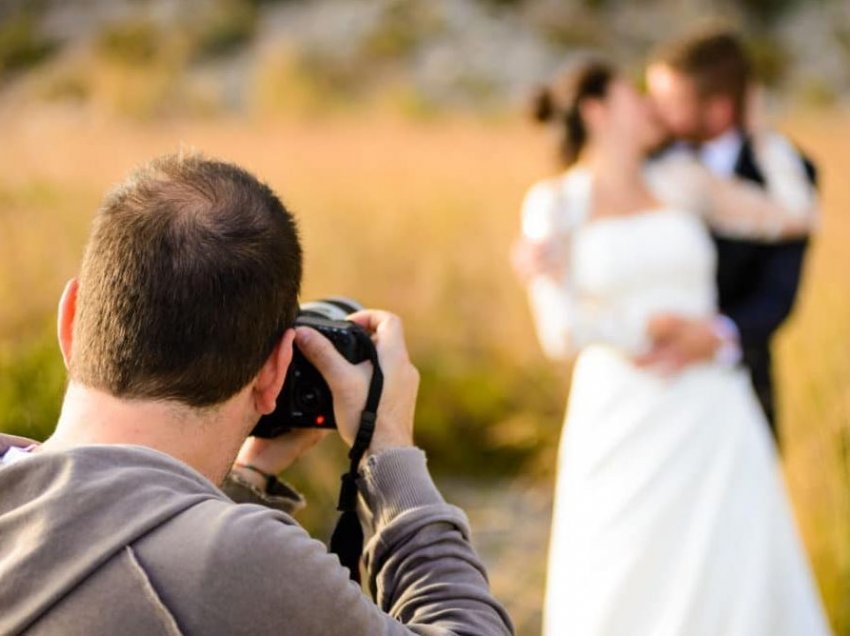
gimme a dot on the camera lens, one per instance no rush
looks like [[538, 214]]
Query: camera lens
[[333, 308]]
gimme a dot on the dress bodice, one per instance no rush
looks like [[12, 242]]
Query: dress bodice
[[618, 271], [627, 269]]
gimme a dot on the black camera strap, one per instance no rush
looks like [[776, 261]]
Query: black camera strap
[[347, 538]]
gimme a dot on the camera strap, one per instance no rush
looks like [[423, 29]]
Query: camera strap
[[347, 538]]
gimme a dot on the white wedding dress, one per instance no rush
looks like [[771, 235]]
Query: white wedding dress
[[670, 514]]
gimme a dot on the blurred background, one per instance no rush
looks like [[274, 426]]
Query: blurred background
[[395, 131]]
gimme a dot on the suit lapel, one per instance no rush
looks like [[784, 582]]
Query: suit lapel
[[745, 166]]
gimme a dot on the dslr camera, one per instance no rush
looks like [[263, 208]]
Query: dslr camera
[[305, 401]]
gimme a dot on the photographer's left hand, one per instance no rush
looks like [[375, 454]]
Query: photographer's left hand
[[273, 456]]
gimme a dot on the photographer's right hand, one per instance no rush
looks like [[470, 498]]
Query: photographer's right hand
[[350, 383]]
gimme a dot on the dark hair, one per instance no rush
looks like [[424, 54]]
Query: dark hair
[[560, 103], [716, 60], [189, 278]]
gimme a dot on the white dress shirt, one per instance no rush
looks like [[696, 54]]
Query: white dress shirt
[[720, 154]]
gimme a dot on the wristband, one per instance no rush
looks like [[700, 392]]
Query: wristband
[[272, 486], [729, 352]]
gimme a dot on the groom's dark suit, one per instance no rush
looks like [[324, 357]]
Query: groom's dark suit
[[757, 285]]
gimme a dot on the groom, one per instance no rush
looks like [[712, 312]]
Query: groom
[[700, 85]]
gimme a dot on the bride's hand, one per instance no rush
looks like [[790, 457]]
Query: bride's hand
[[536, 258]]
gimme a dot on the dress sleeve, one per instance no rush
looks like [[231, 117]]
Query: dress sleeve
[[542, 218], [565, 320], [787, 208]]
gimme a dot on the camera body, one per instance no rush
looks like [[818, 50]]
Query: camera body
[[305, 401]]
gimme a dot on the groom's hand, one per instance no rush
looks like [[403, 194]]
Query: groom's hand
[[678, 341]]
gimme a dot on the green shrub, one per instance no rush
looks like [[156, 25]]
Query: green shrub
[[817, 93], [482, 417], [403, 26], [229, 25], [32, 381], [511, 4], [68, 85], [144, 68], [21, 46], [576, 28], [771, 60], [411, 102], [330, 77], [767, 11], [134, 43]]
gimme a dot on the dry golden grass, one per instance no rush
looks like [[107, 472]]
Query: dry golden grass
[[814, 376], [418, 218]]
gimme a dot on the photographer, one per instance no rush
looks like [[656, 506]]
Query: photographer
[[177, 338]]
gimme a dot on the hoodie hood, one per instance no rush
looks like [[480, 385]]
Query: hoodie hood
[[55, 529]]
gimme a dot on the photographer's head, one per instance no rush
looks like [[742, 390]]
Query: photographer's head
[[189, 281], [190, 277]]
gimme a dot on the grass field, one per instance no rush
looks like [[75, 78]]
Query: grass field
[[418, 217]]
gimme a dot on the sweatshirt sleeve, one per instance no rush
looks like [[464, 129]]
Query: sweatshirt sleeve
[[416, 537], [285, 498], [420, 564], [247, 569]]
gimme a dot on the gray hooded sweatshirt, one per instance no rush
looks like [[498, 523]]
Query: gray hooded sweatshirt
[[127, 540]]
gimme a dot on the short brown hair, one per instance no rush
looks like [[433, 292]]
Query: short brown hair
[[189, 278], [716, 60]]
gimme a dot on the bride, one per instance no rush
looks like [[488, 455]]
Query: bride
[[670, 514]]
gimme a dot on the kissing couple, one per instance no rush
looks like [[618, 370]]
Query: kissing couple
[[666, 273]]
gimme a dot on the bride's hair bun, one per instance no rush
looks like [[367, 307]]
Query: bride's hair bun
[[560, 102], [543, 106]]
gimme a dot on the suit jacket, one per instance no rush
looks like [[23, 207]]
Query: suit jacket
[[757, 285]]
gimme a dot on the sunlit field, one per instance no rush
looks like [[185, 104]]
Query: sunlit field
[[418, 217]]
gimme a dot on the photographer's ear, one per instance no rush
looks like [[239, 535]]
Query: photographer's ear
[[270, 379], [65, 320]]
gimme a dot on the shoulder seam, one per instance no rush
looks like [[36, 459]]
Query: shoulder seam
[[169, 622]]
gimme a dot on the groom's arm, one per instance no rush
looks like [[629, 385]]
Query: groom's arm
[[758, 315]]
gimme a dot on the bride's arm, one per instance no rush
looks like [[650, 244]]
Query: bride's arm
[[565, 323], [786, 208]]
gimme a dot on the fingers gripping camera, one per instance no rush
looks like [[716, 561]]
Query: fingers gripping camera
[[306, 400]]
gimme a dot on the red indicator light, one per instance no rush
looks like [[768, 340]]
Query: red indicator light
[[320, 419]]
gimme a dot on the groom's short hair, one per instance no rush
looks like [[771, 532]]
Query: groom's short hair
[[716, 60], [189, 278]]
